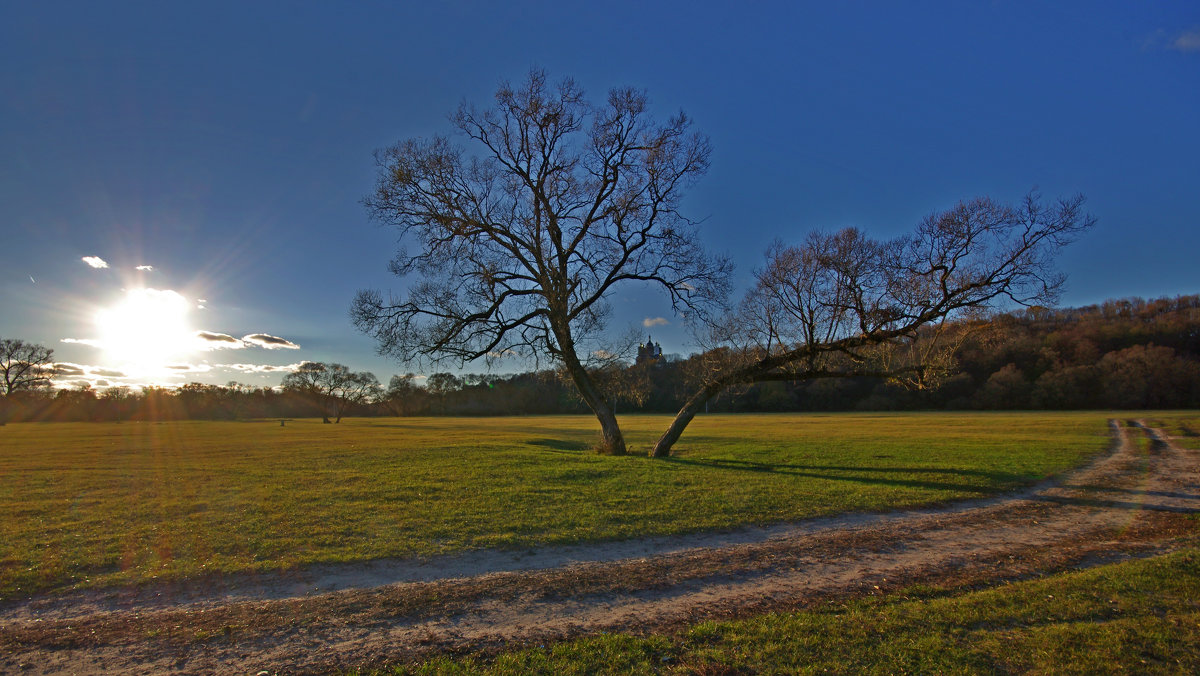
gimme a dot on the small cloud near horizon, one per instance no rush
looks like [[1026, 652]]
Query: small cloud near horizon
[[95, 261], [145, 268], [90, 342], [72, 370], [650, 322], [69, 370], [218, 341], [190, 368], [270, 342], [260, 368]]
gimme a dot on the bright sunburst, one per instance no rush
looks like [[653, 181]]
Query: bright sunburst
[[146, 331]]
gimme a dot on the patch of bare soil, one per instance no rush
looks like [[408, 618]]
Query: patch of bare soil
[[326, 618]]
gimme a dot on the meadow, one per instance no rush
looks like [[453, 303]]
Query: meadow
[[1131, 617], [99, 504]]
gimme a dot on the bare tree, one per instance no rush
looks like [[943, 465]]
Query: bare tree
[[846, 305], [25, 366], [402, 394], [333, 387], [519, 244]]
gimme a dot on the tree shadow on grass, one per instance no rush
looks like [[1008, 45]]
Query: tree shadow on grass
[[997, 480], [560, 444]]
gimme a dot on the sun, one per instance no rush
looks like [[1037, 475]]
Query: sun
[[146, 331]]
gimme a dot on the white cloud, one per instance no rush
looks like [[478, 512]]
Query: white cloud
[[270, 342], [95, 261], [260, 368], [210, 340], [650, 322], [1187, 41], [68, 369], [90, 342], [189, 368], [145, 268]]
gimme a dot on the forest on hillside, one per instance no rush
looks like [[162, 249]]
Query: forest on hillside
[[1121, 354]]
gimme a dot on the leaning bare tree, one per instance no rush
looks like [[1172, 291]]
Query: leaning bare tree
[[519, 243], [846, 305]]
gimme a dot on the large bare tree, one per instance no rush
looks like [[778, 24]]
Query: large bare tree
[[846, 305], [518, 242]]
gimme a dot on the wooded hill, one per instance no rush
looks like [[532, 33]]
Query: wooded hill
[[1122, 354]]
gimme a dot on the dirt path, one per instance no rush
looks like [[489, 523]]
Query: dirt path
[[330, 617]]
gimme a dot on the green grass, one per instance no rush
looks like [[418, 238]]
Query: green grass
[[95, 504], [1132, 617], [1184, 426]]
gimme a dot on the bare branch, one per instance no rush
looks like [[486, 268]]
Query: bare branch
[[519, 242]]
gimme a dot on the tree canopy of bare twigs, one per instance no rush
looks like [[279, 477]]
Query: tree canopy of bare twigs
[[25, 365], [518, 241], [846, 305], [333, 387]]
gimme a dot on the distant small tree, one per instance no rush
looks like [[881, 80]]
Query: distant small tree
[[402, 395], [333, 387], [25, 366]]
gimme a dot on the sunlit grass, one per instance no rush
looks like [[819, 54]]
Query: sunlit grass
[[100, 504], [1133, 617], [1183, 426]]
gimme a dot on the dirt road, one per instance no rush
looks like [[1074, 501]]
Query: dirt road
[[1126, 503]]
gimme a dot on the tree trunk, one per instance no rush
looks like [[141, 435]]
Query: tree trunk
[[612, 442], [662, 448]]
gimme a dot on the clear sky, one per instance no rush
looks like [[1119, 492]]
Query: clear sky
[[227, 146]]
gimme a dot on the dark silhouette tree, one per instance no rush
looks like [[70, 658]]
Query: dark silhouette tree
[[519, 244], [845, 305], [333, 387], [25, 366], [403, 396]]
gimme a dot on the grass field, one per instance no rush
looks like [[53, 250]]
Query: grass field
[[1132, 617], [94, 504], [1183, 426]]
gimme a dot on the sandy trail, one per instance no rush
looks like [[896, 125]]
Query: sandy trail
[[329, 617]]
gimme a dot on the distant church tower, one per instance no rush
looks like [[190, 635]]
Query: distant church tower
[[649, 352]]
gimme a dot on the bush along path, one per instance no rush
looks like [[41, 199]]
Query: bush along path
[[1139, 499]]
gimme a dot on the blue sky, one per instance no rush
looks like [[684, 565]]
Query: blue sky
[[228, 146]]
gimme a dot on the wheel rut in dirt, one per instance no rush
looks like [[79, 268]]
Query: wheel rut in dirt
[[1128, 501]]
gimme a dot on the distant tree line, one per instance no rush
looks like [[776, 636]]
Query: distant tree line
[[1128, 354]]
